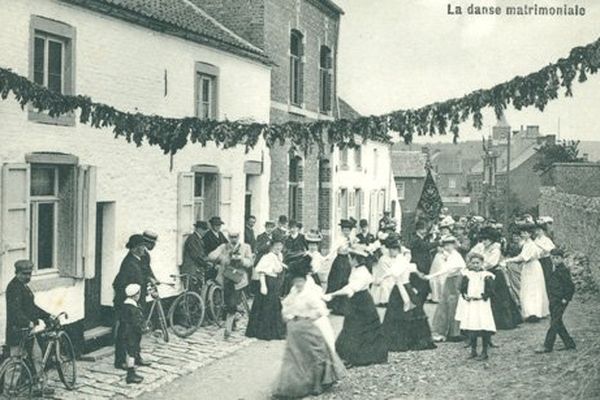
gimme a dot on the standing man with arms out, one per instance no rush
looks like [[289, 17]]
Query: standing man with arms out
[[22, 313], [214, 237], [131, 271], [560, 292], [195, 258]]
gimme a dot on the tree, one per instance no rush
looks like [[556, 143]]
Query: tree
[[561, 152], [497, 206]]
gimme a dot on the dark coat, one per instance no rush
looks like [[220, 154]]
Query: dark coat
[[250, 238], [421, 253], [194, 255], [488, 291], [365, 239], [293, 247], [131, 326], [560, 284], [212, 241], [147, 266], [131, 271], [20, 311]]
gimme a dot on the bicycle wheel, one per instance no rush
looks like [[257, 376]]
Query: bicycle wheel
[[65, 360], [16, 381], [186, 314], [216, 304], [156, 325]]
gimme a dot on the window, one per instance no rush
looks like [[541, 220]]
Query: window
[[295, 188], [43, 216], [451, 183], [296, 68], [358, 157], [326, 79], [205, 195], [358, 194], [52, 63], [206, 91], [343, 205], [352, 203], [400, 187], [344, 158]]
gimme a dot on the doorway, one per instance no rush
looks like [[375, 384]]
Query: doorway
[[94, 315]]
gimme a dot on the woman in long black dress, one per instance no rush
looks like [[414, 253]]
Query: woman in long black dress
[[405, 324], [265, 321], [340, 269], [361, 341], [505, 310]]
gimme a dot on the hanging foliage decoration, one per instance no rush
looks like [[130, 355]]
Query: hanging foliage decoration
[[172, 134]]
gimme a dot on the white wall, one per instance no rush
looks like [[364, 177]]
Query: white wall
[[123, 65], [369, 178]]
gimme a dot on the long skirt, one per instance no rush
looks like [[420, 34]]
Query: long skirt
[[475, 315], [338, 278], [504, 309], [444, 325], [361, 341], [437, 283], [534, 300], [406, 330], [513, 280], [309, 366], [265, 321]]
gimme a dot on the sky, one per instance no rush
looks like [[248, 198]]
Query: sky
[[400, 54]]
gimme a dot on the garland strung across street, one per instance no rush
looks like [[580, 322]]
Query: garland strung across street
[[172, 134]]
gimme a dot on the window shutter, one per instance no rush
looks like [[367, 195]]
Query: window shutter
[[14, 219], [185, 210], [85, 256], [301, 73], [225, 200]]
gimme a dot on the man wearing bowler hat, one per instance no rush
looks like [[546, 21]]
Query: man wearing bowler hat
[[22, 313], [214, 237], [195, 257]]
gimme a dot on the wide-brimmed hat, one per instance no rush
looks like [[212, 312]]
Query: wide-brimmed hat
[[216, 221], [473, 255], [313, 236], [277, 237], [135, 241], [448, 239], [269, 224], [201, 225], [447, 222], [347, 224], [489, 233], [150, 236], [363, 222], [392, 241]]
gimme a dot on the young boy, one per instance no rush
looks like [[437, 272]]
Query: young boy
[[131, 327], [560, 292]]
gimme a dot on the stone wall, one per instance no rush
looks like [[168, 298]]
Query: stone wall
[[576, 222], [576, 178]]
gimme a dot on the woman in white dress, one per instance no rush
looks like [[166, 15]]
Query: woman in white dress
[[534, 300], [437, 283]]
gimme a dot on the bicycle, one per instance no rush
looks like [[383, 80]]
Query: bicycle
[[150, 322], [17, 380], [186, 314]]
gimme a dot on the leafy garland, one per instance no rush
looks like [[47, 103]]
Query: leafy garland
[[172, 134]]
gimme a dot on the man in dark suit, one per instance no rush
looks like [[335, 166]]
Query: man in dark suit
[[131, 271], [282, 227], [249, 237], [22, 313], [364, 236], [214, 237], [560, 293], [421, 248], [195, 258]]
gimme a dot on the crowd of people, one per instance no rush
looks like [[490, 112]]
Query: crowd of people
[[480, 280]]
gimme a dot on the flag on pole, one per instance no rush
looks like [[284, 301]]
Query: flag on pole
[[431, 201]]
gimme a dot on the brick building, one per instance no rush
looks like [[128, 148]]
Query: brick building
[[487, 179], [72, 194], [301, 38]]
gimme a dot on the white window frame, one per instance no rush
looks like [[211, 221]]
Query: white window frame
[[206, 72], [35, 202], [47, 38]]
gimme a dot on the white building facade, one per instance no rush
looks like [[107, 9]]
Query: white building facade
[[71, 195]]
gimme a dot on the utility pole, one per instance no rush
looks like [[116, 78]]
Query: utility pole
[[507, 194]]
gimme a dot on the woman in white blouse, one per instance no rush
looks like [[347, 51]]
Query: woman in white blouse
[[546, 245], [265, 320], [534, 300], [361, 340], [310, 364]]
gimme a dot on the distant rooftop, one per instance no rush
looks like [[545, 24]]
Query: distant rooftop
[[409, 164], [346, 110]]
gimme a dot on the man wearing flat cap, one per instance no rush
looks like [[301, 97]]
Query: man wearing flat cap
[[21, 311], [214, 237], [195, 258], [131, 271]]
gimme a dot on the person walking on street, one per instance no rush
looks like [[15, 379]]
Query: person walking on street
[[214, 237], [131, 271], [234, 259], [560, 290], [131, 326], [22, 313], [195, 259]]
